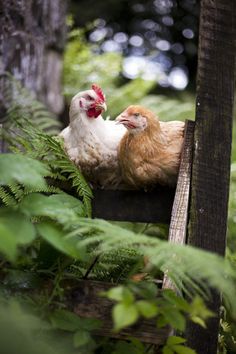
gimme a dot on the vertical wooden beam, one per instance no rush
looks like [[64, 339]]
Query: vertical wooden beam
[[212, 146], [180, 209]]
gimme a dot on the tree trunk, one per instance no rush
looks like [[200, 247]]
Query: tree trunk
[[212, 146], [32, 38]]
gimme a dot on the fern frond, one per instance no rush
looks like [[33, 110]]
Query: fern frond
[[22, 103], [40, 145], [17, 190], [168, 108], [13, 193], [197, 269], [29, 129], [65, 165], [6, 197], [48, 189]]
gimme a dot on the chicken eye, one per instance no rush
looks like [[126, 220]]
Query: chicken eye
[[89, 98], [136, 115]]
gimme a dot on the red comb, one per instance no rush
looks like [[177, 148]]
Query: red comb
[[98, 91]]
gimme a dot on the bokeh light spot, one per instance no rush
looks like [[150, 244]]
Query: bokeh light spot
[[163, 45], [136, 41], [178, 78], [188, 33]]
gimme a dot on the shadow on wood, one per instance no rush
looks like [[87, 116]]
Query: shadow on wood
[[136, 206]]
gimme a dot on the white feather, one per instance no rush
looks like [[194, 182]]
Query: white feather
[[92, 144]]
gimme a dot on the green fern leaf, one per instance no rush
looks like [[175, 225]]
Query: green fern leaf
[[6, 197], [27, 121]]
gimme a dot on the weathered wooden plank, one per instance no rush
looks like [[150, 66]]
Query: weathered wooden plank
[[179, 214], [212, 146], [136, 206], [85, 301]]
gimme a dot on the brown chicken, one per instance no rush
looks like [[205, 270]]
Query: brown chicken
[[149, 153]]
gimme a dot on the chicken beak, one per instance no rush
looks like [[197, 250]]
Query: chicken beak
[[126, 120], [102, 106], [121, 119]]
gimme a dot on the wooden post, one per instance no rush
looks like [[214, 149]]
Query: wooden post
[[212, 146], [180, 209]]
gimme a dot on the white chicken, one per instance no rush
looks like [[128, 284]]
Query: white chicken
[[92, 142]]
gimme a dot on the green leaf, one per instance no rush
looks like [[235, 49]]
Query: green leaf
[[90, 324], [145, 289], [147, 309], [131, 347], [167, 350], [115, 293], [198, 320], [178, 301], [173, 345], [137, 344], [180, 349], [81, 338], [161, 321], [15, 230], [174, 318], [199, 309], [120, 293], [57, 238], [22, 169], [68, 321], [124, 315], [8, 244], [128, 297], [61, 207], [172, 340]]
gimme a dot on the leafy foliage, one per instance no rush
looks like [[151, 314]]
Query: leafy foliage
[[15, 230], [168, 309], [30, 138], [175, 345], [19, 169], [88, 67]]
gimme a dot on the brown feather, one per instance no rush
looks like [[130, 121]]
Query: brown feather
[[153, 155]]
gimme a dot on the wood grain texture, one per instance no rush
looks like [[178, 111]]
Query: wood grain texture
[[179, 214], [212, 145], [85, 300], [136, 206]]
